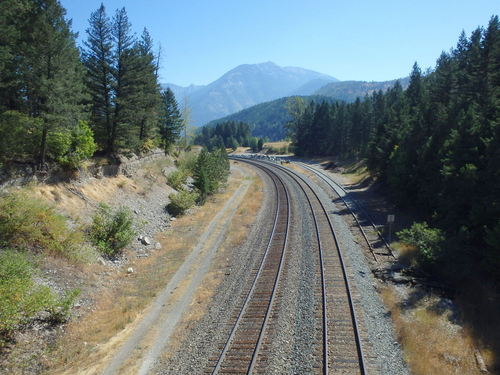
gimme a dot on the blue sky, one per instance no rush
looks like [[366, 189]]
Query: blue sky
[[359, 40]]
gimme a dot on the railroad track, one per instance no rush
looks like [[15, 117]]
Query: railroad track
[[371, 234], [239, 353], [342, 350]]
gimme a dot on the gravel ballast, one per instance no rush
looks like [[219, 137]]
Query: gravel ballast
[[292, 337], [384, 349]]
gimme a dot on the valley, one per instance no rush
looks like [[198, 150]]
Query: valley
[[312, 215]]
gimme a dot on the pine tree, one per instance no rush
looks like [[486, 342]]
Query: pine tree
[[52, 76], [125, 83], [98, 60], [13, 27], [149, 100], [170, 123]]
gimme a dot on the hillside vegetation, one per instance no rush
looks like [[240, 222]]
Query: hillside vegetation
[[268, 119], [229, 134], [436, 146], [349, 91], [60, 106]]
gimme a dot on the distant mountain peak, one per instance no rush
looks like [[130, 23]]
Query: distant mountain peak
[[247, 85]]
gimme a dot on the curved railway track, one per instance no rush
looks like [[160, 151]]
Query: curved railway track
[[342, 350], [374, 239], [239, 353]]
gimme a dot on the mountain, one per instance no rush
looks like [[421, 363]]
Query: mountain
[[245, 86], [268, 119], [181, 92], [350, 90]]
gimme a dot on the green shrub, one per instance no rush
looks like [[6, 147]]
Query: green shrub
[[211, 172], [427, 241], [181, 202], [82, 146], [28, 223], [111, 230], [21, 299], [71, 148], [176, 179], [148, 145]]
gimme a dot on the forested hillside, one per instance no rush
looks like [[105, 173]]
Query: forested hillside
[[349, 91], [268, 119], [436, 146], [228, 134], [57, 105]]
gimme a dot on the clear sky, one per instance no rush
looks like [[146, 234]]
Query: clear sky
[[350, 40]]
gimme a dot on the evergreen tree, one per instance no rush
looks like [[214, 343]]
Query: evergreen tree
[[52, 76], [211, 171], [125, 83], [98, 60], [149, 100], [260, 144], [170, 123], [434, 146]]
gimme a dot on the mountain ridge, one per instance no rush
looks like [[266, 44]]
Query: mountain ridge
[[244, 86], [269, 118]]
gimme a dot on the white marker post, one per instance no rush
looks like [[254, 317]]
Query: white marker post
[[390, 221]]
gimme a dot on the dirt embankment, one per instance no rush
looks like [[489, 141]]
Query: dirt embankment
[[113, 293]]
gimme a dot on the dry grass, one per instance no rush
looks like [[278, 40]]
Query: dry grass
[[240, 150], [65, 199], [353, 172], [90, 342], [431, 344], [279, 144]]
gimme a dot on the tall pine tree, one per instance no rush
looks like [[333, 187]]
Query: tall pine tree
[[98, 60], [170, 122]]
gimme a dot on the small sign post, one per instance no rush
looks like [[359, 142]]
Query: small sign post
[[390, 221]]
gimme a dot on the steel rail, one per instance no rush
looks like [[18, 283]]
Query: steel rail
[[333, 184], [222, 356], [323, 283], [359, 346]]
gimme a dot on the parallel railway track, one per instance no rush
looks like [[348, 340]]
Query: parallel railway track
[[342, 351], [374, 239], [344, 347]]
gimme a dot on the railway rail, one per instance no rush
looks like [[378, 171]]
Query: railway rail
[[342, 349], [371, 234], [239, 353]]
